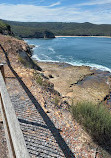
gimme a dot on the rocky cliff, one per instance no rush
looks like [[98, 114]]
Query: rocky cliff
[[8, 29], [18, 51], [44, 34], [5, 29]]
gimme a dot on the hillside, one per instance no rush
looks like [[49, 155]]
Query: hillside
[[43, 112], [5, 28], [27, 29], [21, 31]]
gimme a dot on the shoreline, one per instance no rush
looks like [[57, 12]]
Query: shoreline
[[56, 107], [91, 66], [69, 36], [89, 84], [65, 64], [86, 36]]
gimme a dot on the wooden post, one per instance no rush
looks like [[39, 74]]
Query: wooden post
[[8, 138], [2, 71], [14, 136], [11, 152]]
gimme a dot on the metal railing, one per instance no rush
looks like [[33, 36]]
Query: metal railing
[[14, 136]]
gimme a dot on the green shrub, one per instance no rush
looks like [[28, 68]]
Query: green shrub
[[22, 60], [39, 80], [56, 100], [96, 119]]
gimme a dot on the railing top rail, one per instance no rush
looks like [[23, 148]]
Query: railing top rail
[[13, 124]]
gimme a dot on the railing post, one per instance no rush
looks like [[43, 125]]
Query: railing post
[[2, 71], [14, 136], [7, 134], [11, 152]]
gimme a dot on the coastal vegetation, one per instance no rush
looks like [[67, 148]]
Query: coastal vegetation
[[5, 28], [30, 29], [23, 61], [96, 120], [43, 81], [56, 100]]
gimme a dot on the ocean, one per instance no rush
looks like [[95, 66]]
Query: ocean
[[89, 51]]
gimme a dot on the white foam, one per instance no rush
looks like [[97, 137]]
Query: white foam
[[45, 56], [62, 38], [76, 63], [27, 41], [93, 66], [52, 50], [35, 57], [36, 46], [49, 60], [61, 58]]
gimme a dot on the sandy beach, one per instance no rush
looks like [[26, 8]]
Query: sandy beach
[[86, 36]]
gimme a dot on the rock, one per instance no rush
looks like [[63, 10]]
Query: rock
[[77, 83], [37, 35], [50, 76], [27, 61], [5, 29], [45, 34], [15, 47], [32, 46], [48, 34]]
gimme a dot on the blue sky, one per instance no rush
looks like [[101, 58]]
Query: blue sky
[[94, 11]]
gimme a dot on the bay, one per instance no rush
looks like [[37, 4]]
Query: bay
[[89, 51]]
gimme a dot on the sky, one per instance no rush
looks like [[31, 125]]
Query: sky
[[94, 11]]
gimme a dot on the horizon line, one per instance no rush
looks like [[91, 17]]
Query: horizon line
[[54, 22]]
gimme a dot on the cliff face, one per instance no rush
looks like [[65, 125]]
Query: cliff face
[[18, 51], [45, 34], [5, 29], [48, 34]]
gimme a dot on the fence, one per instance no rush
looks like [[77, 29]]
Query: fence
[[15, 140]]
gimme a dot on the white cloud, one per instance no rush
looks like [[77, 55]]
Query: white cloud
[[95, 2], [31, 13], [42, 14], [55, 4]]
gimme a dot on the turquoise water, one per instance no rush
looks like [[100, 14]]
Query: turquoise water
[[90, 51]]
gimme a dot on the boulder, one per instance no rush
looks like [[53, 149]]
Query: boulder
[[27, 61]]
